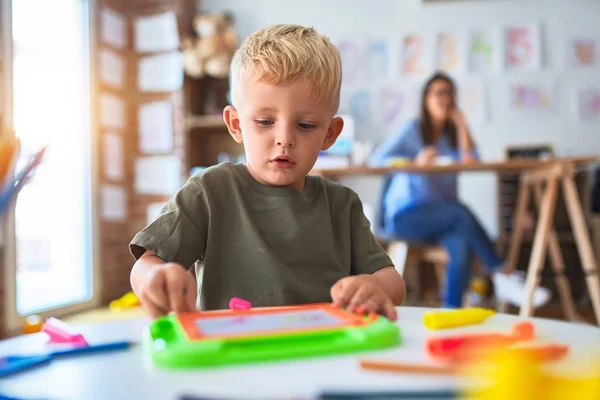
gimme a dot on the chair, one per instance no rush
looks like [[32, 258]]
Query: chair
[[414, 252]]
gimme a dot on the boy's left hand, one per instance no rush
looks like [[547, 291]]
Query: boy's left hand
[[361, 294]]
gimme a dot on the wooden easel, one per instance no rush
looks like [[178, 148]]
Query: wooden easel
[[544, 183]]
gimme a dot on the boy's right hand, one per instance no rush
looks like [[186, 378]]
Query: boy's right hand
[[168, 288]]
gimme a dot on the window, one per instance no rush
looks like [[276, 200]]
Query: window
[[51, 106]]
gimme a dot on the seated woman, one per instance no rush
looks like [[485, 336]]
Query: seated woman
[[425, 207]]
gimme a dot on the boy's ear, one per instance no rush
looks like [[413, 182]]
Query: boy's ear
[[232, 120], [335, 128]]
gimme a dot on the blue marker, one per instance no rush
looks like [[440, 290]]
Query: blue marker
[[16, 363]]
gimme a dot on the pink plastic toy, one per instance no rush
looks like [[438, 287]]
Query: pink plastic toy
[[239, 304], [61, 332]]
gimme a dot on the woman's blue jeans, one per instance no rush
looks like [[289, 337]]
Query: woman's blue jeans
[[453, 226]]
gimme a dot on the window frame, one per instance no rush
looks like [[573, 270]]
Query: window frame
[[13, 320]]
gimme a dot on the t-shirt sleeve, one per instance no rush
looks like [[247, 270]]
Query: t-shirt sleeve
[[367, 254], [179, 233]]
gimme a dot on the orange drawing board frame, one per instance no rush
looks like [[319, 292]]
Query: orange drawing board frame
[[346, 319]]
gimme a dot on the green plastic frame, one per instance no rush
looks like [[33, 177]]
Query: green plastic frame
[[169, 345]]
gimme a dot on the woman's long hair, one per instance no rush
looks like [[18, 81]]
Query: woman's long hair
[[425, 121]]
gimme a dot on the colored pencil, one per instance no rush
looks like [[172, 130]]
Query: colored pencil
[[405, 368]]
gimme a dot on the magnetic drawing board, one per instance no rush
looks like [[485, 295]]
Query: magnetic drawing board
[[201, 339], [262, 322], [251, 324]]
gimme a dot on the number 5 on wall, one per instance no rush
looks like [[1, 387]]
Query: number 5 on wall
[[523, 47]]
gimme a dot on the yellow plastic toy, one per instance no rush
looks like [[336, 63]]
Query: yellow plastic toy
[[128, 300], [399, 162], [513, 374], [456, 318]]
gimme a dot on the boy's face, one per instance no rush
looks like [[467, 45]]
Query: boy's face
[[282, 128]]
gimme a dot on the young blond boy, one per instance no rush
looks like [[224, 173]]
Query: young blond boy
[[265, 231]]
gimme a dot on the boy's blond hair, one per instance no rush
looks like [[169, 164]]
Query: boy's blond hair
[[281, 54]]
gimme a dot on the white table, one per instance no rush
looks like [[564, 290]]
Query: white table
[[129, 375]]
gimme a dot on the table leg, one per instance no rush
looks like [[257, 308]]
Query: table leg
[[540, 243], [558, 265], [523, 198], [584, 244]]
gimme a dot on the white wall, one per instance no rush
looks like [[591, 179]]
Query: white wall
[[358, 19]]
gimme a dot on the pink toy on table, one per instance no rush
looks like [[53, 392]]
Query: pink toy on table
[[61, 332]]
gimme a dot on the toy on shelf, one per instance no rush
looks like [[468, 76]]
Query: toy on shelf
[[128, 300], [210, 52], [213, 338], [456, 318]]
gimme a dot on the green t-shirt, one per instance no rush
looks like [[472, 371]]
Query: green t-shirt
[[270, 246]]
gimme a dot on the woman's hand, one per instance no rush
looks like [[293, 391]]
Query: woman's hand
[[426, 156], [467, 158], [458, 118], [465, 141]]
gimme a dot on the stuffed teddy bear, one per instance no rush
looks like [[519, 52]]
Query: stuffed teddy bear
[[210, 53]]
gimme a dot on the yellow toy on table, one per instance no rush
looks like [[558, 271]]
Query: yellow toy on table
[[456, 318], [399, 162], [517, 374], [128, 300]]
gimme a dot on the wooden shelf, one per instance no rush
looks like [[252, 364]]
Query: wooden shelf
[[204, 121], [207, 137]]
